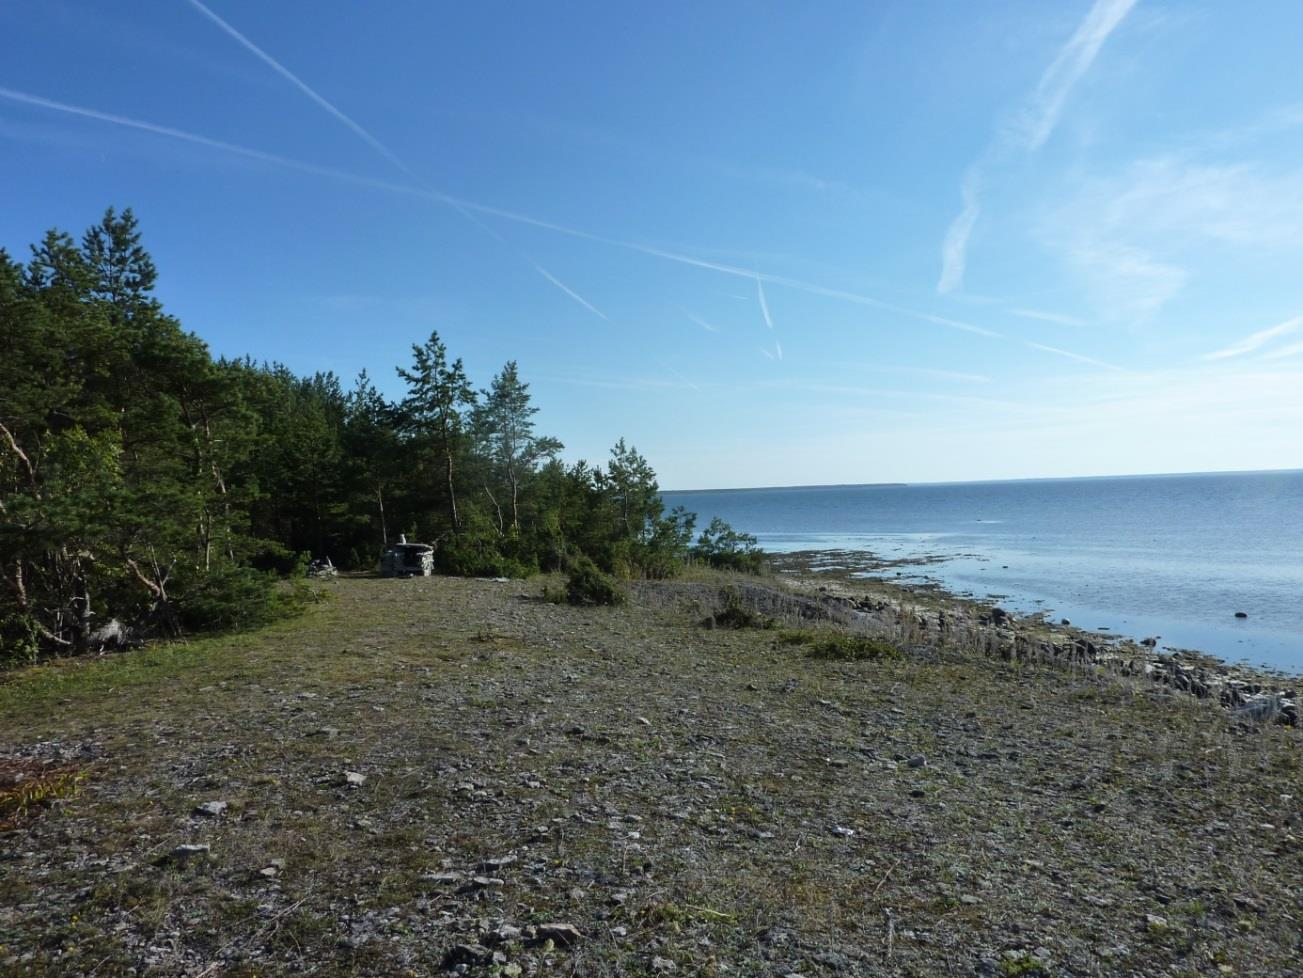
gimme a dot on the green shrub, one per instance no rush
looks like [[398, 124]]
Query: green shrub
[[20, 642], [842, 648], [586, 584], [736, 614], [723, 547], [481, 550], [235, 598]]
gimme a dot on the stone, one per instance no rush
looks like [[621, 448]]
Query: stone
[[917, 761], [443, 879], [353, 779], [1241, 614], [1155, 924], [480, 883], [843, 831], [663, 965], [468, 954], [563, 935], [211, 809], [186, 853]]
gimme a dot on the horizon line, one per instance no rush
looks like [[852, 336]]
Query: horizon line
[[978, 482]]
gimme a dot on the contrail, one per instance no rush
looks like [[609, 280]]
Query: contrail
[[678, 376], [191, 137], [508, 215], [566, 289], [468, 205], [1073, 356], [1037, 120], [361, 131], [778, 348], [764, 306], [700, 322], [384, 151], [305, 88]]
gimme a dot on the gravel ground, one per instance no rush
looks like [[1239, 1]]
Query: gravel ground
[[446, 776]]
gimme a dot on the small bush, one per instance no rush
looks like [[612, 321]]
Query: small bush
[[27, 784], [736, 613], [724, 548], [20, 642], [235, 598], [842, 648], [586, 584]]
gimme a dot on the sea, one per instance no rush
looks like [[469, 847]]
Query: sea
[[1171, 557]]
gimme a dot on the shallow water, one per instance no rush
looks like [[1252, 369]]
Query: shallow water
[[1173, 557]]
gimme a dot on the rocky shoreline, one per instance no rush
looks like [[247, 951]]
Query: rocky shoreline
[[927, 614]]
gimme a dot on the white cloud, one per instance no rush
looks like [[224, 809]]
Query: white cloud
[[954, 250], [1033, 126], [1255, 341], [1030, 127], [1136, 237], [1127, 282]]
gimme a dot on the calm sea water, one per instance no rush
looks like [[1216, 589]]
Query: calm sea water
[[1172, 556]]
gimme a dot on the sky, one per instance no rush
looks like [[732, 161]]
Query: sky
[[767, 243]]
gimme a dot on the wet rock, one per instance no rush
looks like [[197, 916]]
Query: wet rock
[[1241, 614]]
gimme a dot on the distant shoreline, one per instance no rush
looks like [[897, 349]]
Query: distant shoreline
[[1238, 686], [838, 485], [983, 482]]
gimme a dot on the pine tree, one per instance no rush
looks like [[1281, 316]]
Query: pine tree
[[504, 424], [439, 395]]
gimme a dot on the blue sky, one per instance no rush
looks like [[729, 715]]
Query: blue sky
[[768, 243]]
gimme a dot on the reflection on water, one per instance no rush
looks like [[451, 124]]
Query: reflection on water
[[1163, 556]]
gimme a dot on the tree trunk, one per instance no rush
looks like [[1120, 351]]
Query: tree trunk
[[496, 508], [452, 497]]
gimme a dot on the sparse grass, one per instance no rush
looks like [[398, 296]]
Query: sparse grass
[[645, 774], [28, 785], [841, 647]]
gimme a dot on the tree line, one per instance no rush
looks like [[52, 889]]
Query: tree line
[[147, 488]]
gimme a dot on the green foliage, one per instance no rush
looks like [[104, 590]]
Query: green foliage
[[20, 639], [725, 548], [481, 550], [839, 647], [145, 481], [233, 598], [586, 584], [737, 614]]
